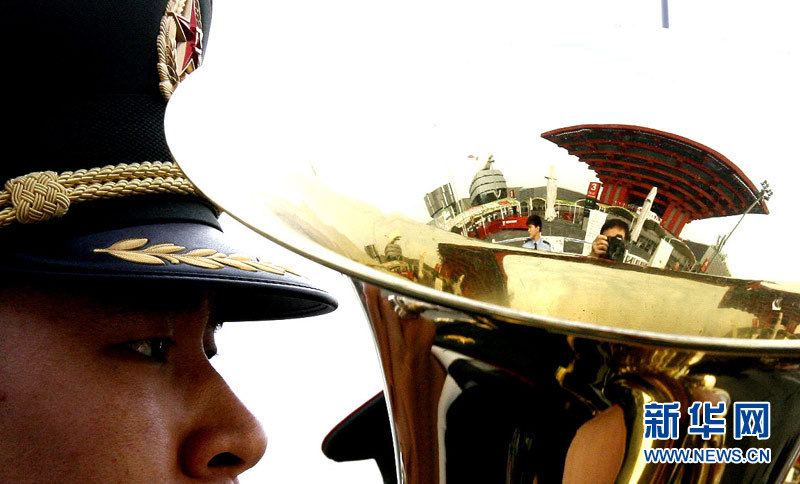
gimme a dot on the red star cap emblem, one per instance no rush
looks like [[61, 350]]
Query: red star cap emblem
[[179, 44], [190, 33]]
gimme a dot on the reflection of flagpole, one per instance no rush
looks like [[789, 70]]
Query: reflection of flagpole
[[550, 202], [764, 194], [665, 14]]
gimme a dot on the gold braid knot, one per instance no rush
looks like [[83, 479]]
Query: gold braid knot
[[41, 196], [37, 197]]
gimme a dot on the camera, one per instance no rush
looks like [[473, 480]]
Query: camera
[[616, 249]]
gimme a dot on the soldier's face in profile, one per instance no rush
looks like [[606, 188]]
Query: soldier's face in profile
[[101, 387]]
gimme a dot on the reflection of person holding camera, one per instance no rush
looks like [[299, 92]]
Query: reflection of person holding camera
[[611, 243]]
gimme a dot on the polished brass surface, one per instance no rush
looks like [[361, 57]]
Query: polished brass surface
[[505, 364], [564, 292], [479, 399]]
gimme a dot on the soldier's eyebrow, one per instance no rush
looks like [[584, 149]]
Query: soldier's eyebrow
[[113, 317], [131, 313], [163, 301]]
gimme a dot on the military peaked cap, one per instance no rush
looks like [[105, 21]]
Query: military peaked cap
[[89, 188]]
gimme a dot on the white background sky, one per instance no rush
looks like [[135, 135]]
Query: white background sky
[[388, 99]]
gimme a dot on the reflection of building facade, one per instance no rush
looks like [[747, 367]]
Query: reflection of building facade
[[693, 182]]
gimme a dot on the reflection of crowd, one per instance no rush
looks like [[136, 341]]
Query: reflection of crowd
[[614, 232], [611, 243]]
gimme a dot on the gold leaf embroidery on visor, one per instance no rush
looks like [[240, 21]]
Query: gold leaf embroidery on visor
[[134, 250]]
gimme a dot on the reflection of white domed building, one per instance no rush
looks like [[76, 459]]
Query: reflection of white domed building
[[488, 185], [692, 182]]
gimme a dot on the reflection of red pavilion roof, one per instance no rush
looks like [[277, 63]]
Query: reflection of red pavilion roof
[[699, 180]]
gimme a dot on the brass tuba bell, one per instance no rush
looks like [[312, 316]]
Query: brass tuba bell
[[511, 365]]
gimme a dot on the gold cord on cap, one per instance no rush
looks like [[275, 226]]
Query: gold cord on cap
[[41, 196]]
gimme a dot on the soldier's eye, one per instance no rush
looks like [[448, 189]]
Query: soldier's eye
[[155, 349]]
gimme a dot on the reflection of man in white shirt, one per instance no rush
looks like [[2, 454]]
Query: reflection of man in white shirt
[[535, 231]]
